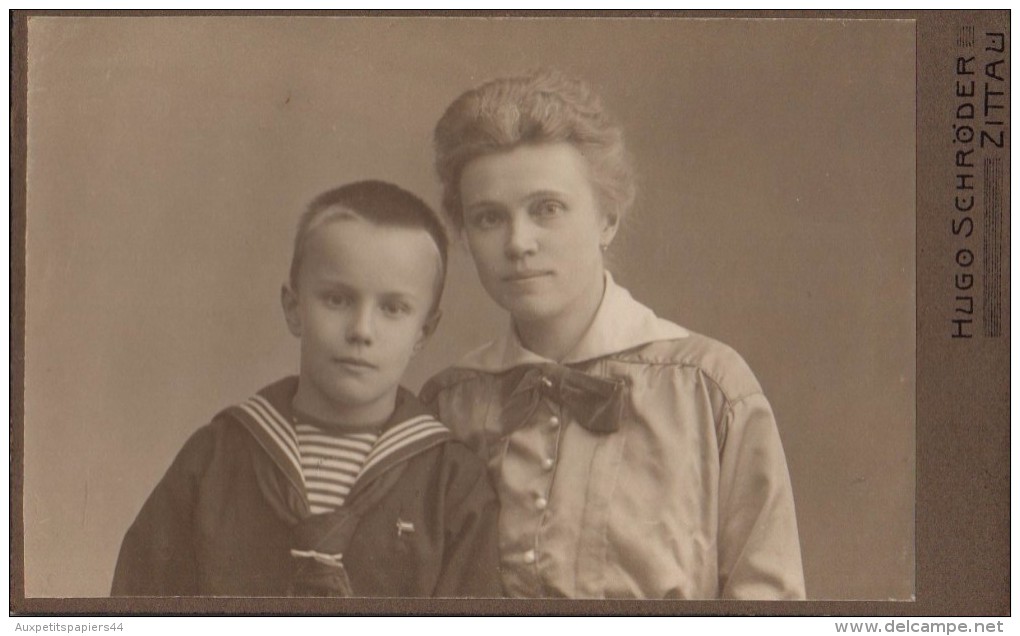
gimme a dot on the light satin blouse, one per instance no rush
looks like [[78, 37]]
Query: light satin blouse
[[690, 498]]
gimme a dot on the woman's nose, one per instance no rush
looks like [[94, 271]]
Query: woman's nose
[[361, 327], [521, 240]]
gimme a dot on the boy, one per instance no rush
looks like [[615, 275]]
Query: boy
[[336, 482]]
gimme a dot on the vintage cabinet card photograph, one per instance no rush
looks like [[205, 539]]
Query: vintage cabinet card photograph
[[462, 313]]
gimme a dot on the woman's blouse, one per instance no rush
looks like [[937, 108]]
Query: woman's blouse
[[648, 464]]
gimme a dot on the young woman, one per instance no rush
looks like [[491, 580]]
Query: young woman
[[632, 458]]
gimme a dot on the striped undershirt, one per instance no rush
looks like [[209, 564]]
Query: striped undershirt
[[330, 461]]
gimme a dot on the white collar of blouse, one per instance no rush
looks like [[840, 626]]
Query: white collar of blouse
[[621, 323]]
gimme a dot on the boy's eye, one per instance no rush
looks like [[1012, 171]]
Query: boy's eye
[[396, 308], [333, 299], [548, 208], [486, 219]]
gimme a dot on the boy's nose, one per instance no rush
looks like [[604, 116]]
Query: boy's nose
[[361, 328]]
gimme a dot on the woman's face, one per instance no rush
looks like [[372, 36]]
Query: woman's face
[[534, 229]]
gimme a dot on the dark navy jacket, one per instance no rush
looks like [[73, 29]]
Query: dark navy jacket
[[420, 519]]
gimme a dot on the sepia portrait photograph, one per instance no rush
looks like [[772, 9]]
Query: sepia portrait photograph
[[471, 307]]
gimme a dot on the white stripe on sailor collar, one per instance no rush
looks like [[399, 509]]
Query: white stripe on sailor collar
[[399, 436], [276, 434]]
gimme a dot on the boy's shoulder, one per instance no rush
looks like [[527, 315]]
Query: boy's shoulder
[[222, 442], [230, 435]]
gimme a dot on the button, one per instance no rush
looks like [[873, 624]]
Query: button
[[547, 382], [529, 556], [548, 463], [541, 503], [554, 421]]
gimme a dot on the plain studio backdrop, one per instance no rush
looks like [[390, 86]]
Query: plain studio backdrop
[[169, 159]]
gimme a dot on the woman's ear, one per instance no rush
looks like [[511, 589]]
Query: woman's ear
[[289, 301], [609, 228]]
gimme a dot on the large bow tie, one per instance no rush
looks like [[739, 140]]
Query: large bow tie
[[596, 403]]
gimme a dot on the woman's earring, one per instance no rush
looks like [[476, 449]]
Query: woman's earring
[[603, 246]]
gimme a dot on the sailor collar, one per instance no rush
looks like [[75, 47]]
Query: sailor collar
[[270, 419]]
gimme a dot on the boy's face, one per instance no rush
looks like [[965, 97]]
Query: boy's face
[[362, 309]]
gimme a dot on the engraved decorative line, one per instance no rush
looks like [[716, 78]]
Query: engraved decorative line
[[965, 37], [992, 244]]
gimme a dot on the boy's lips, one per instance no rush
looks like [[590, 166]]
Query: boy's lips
[[357, 363]]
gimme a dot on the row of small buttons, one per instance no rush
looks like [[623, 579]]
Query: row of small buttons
[[542, 503], [548, 462]]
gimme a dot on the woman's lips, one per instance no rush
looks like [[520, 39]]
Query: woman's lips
[[524, 276]]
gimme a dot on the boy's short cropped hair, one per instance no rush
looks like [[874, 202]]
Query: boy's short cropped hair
[[377, 202]]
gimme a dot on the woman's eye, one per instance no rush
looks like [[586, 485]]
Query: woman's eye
[[549, 208], [486, 219]]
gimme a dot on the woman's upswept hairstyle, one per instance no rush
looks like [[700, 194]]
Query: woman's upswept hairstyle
[[539, 107]]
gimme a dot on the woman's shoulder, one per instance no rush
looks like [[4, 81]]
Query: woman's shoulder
[[697, 353], [448, 379], [450, 456]]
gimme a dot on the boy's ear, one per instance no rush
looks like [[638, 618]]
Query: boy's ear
[[428, 329], [289, 301]]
